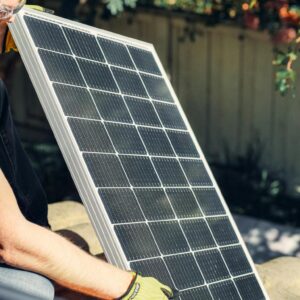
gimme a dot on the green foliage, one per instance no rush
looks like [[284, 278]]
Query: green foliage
[[285, 76], [285, 80], [117, 6]]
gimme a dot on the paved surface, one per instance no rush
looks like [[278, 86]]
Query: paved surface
[[266, 240]]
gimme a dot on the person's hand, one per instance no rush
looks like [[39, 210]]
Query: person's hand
[[147, 288]]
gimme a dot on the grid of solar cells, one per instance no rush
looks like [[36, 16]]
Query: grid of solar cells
[[158, 195]]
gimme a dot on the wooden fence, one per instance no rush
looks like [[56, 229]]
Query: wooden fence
[[223, 77]]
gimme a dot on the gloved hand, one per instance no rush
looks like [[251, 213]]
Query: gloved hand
[[147, 288], [8, 42]]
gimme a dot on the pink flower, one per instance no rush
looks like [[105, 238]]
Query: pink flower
[[285, 36]]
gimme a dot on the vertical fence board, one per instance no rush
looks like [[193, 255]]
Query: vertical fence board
[[247, 94], [216, 86], [293, 140], [191, 79], [263, 97]]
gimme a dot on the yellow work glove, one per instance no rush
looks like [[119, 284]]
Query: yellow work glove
[[9, 43], [147, 288]]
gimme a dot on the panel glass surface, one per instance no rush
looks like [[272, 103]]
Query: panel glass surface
[[76, 102], [129, 82], [155, 204], [90, 51], [153, 188], [144, 60], [224, 290], [116, 53], [169, 237], [142, 112], [114, 199], [125, 138], [111, 107], [90, 135], [156, 141], [184, 203]]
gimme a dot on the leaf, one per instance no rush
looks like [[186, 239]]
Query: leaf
[[130, 3], [115, 6]]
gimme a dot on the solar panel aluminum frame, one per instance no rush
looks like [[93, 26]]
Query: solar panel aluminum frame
[[70, 150]]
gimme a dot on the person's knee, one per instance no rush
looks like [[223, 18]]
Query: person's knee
[[44, 289], [30, 285]]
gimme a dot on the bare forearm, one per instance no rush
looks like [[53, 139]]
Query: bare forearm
[[44, 252]]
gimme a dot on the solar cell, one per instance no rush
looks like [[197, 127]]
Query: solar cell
[[153, 267], [198, 234], [182, 144], [76, 102], [97, 75], [142, 112], [56, 40], [129, 82], [155, 204], [196, 172], [144, 60], [125, 138], [169, 237], [184, 203], [222, 230], [61, 68], [236, 260], [196, 294], [157, 88], [169, 171], [114, 200], [184, 271], [212, 265], [139, 170], [91, 135], [137, 241], [224, 290], [116, 53], [111, 107], [106, 170], [156, 141], [170, 116], [248, 288], [209, 201], [91, 51]]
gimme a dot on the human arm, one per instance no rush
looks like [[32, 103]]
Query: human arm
[[31, 247], [28, 246]]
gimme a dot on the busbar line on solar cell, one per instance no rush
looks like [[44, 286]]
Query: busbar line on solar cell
[[125, 124], [112, 92], [104, 137]]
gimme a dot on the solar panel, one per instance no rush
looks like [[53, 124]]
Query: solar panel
[[141, 174]]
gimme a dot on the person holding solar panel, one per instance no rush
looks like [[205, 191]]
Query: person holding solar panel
[[25, 241]]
